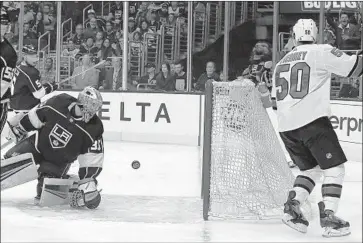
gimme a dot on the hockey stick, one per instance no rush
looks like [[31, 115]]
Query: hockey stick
[[98, 64]]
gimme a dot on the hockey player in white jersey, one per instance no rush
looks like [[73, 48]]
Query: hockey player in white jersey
[[301, 98]]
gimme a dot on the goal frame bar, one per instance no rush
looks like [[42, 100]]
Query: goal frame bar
[[207, 147]]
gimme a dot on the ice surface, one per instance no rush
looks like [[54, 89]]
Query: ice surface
[[158, 202]]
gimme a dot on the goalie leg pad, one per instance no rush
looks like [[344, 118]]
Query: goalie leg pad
[[86, 195], [55, 192], [17, 170]]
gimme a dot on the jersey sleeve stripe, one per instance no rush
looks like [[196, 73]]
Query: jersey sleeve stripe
[[34, 119], [5, 63], [28, 78], [357, 68]]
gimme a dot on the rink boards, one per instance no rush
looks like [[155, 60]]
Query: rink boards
[[179, 118]]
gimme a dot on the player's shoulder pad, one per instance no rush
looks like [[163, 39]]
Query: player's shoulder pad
[[32, 72], [96, 126], [61, 100]]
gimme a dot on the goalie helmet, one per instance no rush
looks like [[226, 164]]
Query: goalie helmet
[[90, 102], [305, 30]]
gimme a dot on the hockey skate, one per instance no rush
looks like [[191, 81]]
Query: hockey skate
[[293, 217], [332, 225]]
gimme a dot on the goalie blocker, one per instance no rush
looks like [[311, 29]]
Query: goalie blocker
[[66, 129]]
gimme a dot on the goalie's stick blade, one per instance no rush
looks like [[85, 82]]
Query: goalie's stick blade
[[55, 192], [17, 170]]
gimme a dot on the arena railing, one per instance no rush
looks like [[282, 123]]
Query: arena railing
[[105, 6], [181, 40], [67, 34], [84, 16], [213, 20], [136, 58], [152, 50], [199, 30], [168, 40]]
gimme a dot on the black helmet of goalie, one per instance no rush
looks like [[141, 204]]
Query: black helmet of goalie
[[305, 31], [90, 102]]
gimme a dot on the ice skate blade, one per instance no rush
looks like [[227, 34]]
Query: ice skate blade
[[330, 232], [286, 219]]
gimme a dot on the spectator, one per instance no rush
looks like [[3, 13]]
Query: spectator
[[163, 12], [99, 39], [92, 29], [88, 78], [88, 48], [163, 21], [48, 75], [131, 27], [291, 43], [48, 19], [210, 74], [38, 25], [136, 36], [71, 50], [348, 35], [91, 14], [142, 13], [144, 28], [117, 14], [132, 11], [171, 19], [174, 9], [28, 14], [149, 78], [109, 50], [180, 77], [329, 36], [119, 39], [165, 80], [28, 36], [110, 33], [79, 38], [154, 24]]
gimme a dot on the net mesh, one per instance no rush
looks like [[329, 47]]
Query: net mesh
[[249, 172]]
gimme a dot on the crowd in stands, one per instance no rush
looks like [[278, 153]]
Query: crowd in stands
[[96, 37]]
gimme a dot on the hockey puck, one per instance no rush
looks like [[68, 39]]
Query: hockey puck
[[135, 164]]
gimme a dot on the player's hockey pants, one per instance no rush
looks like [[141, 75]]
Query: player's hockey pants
[[45, 167]]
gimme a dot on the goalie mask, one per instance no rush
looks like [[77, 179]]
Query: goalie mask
[[90, 102]]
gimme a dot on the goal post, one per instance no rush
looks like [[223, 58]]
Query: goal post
[[245, 173]]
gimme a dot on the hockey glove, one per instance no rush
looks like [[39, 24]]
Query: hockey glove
[[49, 88], [86, 195]]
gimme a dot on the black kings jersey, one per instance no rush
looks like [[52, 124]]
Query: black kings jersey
[[27, 83], [63, 138], [8, 59]]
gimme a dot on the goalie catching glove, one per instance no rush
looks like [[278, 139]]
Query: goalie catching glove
[[86, 194]]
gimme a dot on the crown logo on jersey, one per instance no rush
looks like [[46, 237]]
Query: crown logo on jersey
[[59, 137], [329, 155]]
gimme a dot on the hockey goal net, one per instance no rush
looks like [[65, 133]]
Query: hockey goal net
[[245, 171]]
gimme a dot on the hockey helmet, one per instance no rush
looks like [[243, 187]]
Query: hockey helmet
[[90, 102], [29, 50], [305, 30]]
